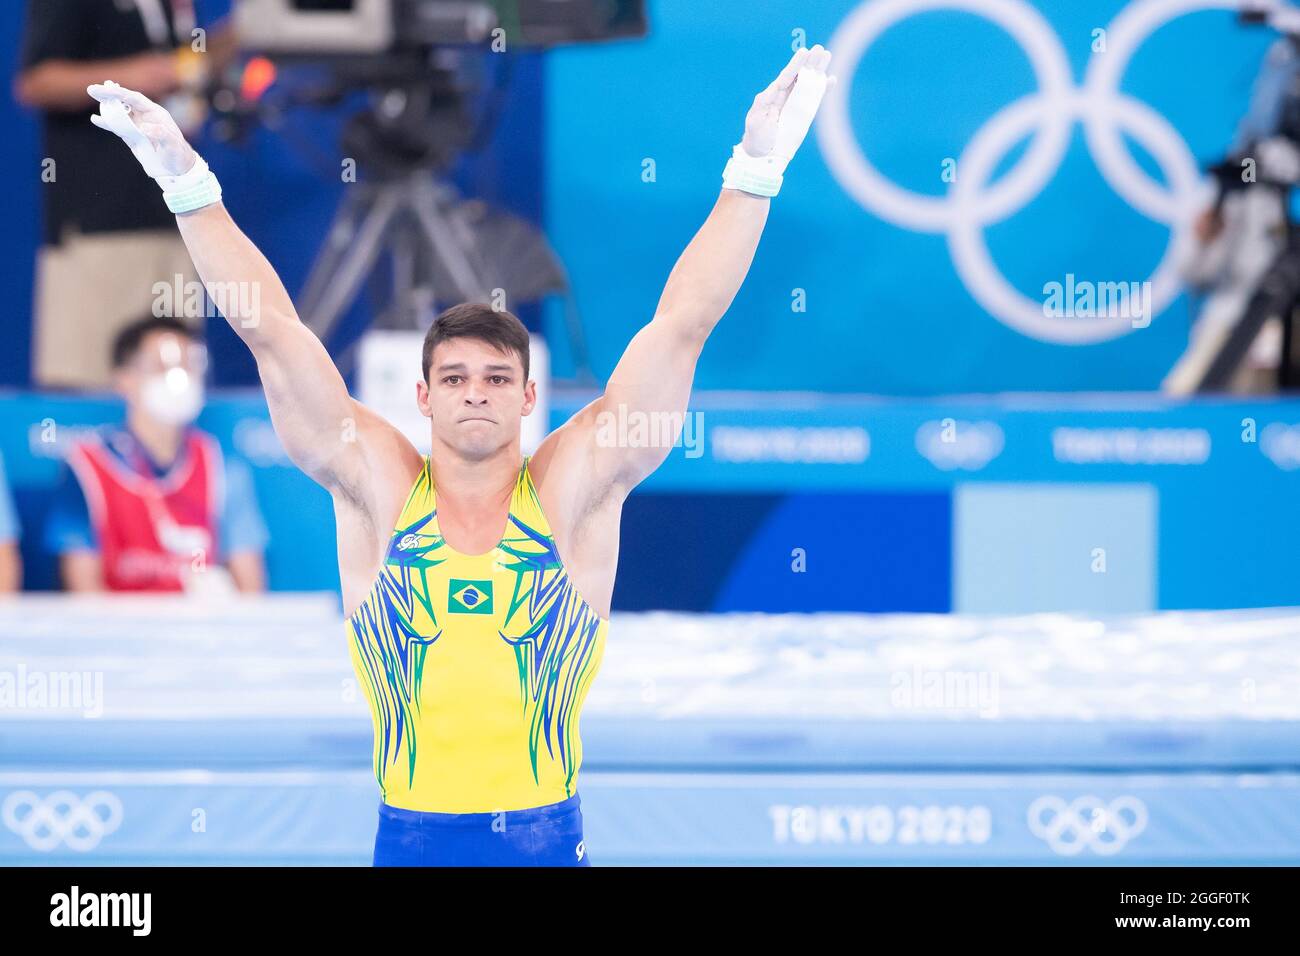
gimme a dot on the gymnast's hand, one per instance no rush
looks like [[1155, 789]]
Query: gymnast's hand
[[782, 114], [146, 127]]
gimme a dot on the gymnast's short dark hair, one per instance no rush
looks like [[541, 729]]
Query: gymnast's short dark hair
[[474, 320], [128, 341]]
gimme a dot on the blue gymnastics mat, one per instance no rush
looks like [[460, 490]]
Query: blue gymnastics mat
[[175, 732]]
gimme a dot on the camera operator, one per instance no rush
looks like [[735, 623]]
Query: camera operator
[[1245, 242], [108, 237]]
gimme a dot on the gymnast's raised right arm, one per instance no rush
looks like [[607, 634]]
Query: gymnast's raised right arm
[[324, 431], [313, 415]]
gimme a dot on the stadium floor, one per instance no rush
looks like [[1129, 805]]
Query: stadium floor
[[233, 734]]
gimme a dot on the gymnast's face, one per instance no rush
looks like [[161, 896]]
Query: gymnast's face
[[475, 397]]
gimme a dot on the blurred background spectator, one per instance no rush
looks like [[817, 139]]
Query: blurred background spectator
[[153, 504], [1246, 261], [107, 237]]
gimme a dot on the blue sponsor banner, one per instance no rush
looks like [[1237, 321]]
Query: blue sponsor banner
[[1222, 475], [786, 443], [263, 816], [991, 819], [864, 486]]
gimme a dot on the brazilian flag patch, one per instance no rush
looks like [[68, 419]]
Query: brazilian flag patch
[[469, 597]]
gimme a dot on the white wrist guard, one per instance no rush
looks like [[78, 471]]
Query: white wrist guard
[[756, 175], [192, 190]]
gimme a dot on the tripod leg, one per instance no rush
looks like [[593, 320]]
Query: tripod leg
[[1211, 331], [578, 341], [1279, 288], [405, 309], [450, 243], [1288, 368], [340, 290], [342, 232]]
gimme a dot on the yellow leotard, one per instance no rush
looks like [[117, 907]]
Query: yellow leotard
[[476, 666]]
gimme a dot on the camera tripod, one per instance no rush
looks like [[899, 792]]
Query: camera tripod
[[443, 249]]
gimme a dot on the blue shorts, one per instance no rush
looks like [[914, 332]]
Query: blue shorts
[[539, 836]]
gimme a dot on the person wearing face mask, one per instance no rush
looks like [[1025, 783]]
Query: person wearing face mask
[[154, 505]]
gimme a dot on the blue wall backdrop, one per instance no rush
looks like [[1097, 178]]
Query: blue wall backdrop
[[886, 309]]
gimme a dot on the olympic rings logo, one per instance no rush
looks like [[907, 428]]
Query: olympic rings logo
[[972, 203], [62, 818], [1087, 822]]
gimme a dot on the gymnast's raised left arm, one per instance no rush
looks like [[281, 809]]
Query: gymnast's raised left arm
[[652, 381]]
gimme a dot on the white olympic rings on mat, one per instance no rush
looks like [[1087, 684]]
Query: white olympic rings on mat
[[1104, 828], [79, 823], [1050, 114]]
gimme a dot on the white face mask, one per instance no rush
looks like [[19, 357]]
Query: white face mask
[[174, 398]]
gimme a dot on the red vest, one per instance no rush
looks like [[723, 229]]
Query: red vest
[[152, 531]]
